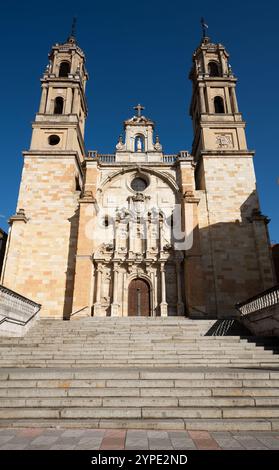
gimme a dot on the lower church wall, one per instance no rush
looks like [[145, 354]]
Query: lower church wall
[[41, 254]]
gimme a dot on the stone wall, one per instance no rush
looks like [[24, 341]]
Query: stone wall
[[235, 254], [41, 257]]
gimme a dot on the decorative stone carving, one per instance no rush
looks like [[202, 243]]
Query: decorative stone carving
[[257, 215], [120, 145], [19, 216], [224, 141], [167, 247], [157, 145], [108, 246]]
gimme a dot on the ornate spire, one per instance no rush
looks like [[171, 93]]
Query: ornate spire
[[72, 37]]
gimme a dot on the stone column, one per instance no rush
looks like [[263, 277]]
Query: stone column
[[97, 305], [163, 305], [228, 100], [193, 270], [234, 100], [13, 262], [68, 104], [115, 305], [131, 238], [202, 100], [87, 242], [180, 305], [262, 250], [43, 100], [75, 102]]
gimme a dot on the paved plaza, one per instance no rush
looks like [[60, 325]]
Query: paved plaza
[[104, 439]]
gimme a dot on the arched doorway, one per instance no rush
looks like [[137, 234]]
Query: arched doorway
[[139, 298]]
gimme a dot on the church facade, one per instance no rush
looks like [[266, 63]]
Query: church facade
[[138, 232]]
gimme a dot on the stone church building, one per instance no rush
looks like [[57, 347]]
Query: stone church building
[[138, 232]]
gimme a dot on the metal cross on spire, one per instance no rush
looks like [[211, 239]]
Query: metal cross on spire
[[204, 28], [74, 25], [139, 108]]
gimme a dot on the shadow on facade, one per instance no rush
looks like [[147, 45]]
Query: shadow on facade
[[71, 264], [236, 259]]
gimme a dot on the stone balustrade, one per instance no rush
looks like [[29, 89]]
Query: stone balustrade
[[260, 313], [17, 313]]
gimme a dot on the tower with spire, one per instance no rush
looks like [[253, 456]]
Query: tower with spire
[[225, 180], [138, 232], [43, 231]]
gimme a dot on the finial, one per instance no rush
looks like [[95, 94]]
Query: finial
[[74, 25], [204, 28], [72, 37], [139, 108]]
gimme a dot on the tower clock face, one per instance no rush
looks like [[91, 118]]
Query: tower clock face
[[139, 184]]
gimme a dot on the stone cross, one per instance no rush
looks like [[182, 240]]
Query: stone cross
[[139, 108]]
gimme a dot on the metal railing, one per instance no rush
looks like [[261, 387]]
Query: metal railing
[[265, 299], [78, 311]]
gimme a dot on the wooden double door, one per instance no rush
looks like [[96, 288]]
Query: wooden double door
[[139, 298]]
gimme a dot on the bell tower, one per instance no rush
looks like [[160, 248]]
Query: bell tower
[[217, 123], [41, 256], [233, 231], [60, 122]]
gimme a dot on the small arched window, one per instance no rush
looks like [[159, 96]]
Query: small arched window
[[219, 105], [58, 105], [213, 69], [64, 69]]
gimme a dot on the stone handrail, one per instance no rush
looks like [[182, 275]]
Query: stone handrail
[[265, 299], [169, 158], [15, 308], [110, 158]]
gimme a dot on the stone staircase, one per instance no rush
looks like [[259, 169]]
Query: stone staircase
[[152, 373]]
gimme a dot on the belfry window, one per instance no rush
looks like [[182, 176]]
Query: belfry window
[[58, 105], [219, 105], [213, 69], [64, 69]]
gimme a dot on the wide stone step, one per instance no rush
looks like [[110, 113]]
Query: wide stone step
[[159, 424], [138, 374], [189, 386]]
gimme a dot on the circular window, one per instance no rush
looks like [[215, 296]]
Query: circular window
[[53, 139], [139, 184]]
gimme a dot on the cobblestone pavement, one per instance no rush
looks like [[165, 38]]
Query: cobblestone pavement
[[114, 439]]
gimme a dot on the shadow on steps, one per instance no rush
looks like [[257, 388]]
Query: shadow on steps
[[232, 327]]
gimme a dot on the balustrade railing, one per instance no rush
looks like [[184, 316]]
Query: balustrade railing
[[169, 158], [259, 302], [15, 308], [105, 158]]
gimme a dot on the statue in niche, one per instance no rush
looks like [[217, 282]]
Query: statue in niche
[[139, 146]]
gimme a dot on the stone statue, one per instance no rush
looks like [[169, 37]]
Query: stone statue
[[120, 143], [157, 145], [139, 144]]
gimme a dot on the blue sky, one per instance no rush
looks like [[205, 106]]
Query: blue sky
[[141, 52]]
